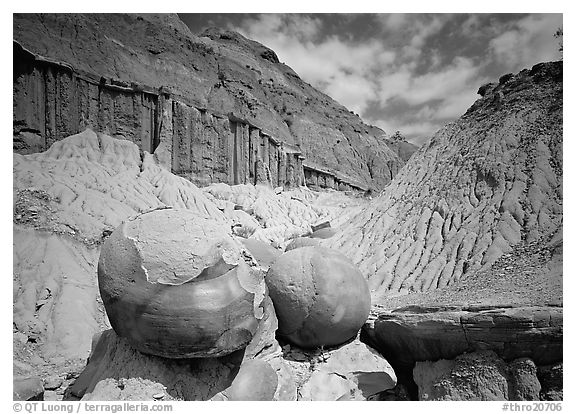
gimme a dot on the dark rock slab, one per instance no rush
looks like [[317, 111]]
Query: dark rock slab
[[407, 335]]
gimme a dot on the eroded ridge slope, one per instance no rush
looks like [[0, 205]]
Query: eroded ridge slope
[[481, 185], [148, 79]]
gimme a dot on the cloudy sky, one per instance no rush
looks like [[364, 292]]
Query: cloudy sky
[[407, 72]]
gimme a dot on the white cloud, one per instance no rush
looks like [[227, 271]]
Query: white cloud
[[384, 76], [455, 105], [471, 27], [452, 88], [341, 68], [412, 30], [355, 91], [393, 21], [527, 41]]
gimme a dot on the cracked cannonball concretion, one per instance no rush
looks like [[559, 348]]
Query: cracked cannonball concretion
[[320, 297], [175, 285]]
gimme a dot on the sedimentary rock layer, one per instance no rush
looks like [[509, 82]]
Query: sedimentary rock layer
[[480, 186], [214, 107], [478, 376], [407, 335]]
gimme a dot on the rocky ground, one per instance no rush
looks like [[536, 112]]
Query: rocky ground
[[67, 202], [81, 192]]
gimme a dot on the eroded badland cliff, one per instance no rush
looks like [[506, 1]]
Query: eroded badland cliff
[[213, 107]]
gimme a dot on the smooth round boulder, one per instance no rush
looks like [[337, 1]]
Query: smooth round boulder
[[301, 242], [320, 297], [175, 285]]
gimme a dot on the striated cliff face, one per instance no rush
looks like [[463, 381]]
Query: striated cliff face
[[213, 107], [482, 185]]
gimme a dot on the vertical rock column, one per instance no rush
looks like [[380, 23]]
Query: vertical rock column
[[245, 178], [301, 179], [329, 181], [182, 135], [232, 153], [254, 148], [222, 161], [263, 175], [282, 166], [29, 102], [147, 107], [126, 117], [87, 93], [266, 149], [273, 163], [210, 147], [51, 106], [294, 172], [241, 139], [164, 151]]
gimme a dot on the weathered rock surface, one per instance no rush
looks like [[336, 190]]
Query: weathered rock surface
[[264, 253], [148, 79], [301, 242], [481, 185], [320, 297], [405, 336], [400, 146], [256, 381], [352, 372], [477, 376], [551, 379], [27, 389], [117, 371], [279, 217], [529, 275], [67, 202], [175, 284]]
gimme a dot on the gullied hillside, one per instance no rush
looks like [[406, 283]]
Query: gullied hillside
[[179, 76], [483, 184]]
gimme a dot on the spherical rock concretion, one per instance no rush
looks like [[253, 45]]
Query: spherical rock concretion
[[320, 297], [175, 285]]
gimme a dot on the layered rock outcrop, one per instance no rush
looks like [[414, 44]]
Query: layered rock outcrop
[[480, 186], [413, 334], [214, 107], [477, 376], [425, 343]]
